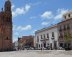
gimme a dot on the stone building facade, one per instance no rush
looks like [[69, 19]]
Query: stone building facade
[[65, 27], [25, 41], [6, 27]]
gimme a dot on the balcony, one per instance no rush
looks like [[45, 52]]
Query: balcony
[[52, 38], [61, 36], [44, 39]]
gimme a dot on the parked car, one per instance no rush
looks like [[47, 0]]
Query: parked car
[[26, 48], [44, 48], [61, 48], [31, 48]]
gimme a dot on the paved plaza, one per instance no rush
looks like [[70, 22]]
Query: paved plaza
[[37, 53]]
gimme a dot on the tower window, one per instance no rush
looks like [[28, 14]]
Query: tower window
[[8, 19], [7, 9], [7, 38]]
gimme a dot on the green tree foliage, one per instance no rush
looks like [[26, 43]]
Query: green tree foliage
[[67, 37]]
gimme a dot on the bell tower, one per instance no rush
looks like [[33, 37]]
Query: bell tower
[[8, 25], [7, 10], [7, 6]]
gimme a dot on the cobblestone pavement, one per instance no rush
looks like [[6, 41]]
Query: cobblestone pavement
[[37, 53]]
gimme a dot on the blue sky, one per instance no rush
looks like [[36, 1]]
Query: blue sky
[[32, 15]]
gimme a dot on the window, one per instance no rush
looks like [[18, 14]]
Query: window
[[41, 37], [52, 34], [68, 27], [61, 36], [60, 29], [65, 17], [7, 38], [37, 38], [69, 15], [44, 36], [64, 27], [45, 45], [47, 35], [39, 45]]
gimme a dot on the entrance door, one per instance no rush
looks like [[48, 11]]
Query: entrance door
[[45, 45], [55, 44]]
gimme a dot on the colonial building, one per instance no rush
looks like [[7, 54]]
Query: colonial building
[[46, 38], [65, 30], [6, 27], [25, 41]]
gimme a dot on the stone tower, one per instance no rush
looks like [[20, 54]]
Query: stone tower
[[6, 27]]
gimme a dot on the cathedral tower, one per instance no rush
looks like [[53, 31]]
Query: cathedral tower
[[6, 27], [7, 6]]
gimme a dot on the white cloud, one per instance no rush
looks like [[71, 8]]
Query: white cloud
[[44, 23], [47, 14], [24, 28], [34, 31], [60, 13], [14, 27], [16, 33], [27, 7], [22, 10], [13, 6]]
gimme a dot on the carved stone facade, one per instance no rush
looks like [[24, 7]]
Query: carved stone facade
[[26, 41], [6, 27]]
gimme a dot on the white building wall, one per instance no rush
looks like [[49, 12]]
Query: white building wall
[[66, 15], [55, 30]]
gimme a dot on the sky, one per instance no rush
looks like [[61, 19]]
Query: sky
[[29, 16]]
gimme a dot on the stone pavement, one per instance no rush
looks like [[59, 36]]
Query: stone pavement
[[37, 53]]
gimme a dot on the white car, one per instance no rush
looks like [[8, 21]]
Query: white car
[[31, 48], [60, 48]]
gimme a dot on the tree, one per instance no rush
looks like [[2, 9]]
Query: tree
[[67, 39]]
